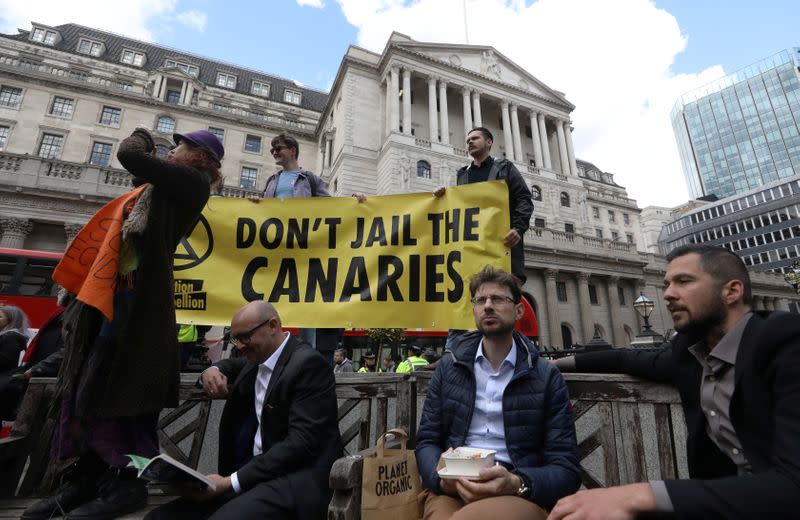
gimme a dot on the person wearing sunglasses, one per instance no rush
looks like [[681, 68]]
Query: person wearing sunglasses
[[279, 433]]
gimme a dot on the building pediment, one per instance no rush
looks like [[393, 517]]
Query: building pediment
[[487, 62]]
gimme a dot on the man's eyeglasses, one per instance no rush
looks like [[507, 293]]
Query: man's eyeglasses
[[276, 149], [496, 299], [244, 337]]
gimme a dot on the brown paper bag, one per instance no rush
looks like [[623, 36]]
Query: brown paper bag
[[390, 482]]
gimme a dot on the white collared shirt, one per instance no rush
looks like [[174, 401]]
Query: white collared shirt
[[487, 428], [265, 370]]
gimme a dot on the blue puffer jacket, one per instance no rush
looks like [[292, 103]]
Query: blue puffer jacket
[[539, 427]]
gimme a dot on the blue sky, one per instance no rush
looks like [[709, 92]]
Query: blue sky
[[623, 63]]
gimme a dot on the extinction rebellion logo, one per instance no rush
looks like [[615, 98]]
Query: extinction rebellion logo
[[189, 295], [192, 250]]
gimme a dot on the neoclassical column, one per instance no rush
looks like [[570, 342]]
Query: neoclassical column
[[476, 109], [562, 148], [328, 140], [545, 147], [183, 98], [71, 231], [407, 101], [433, 122], [553, 317], [573, 167], [15, 231], [782, 304], [444, 123], [515, 132], [507, 137], [388, 109], [758, 303], [394, 98], [769, 303], [617, 332], [537, 144], [465, 93], [587, 322]]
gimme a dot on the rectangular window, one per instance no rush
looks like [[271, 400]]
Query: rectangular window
[[90, 47], [133, 58], [629, 236], [626, 219], [611, 216], [111, 116], [4, 131], [291, 96], [101, 154], [10, 96], [252, 143], [191, 70], [219, 132], [260, 88], [173, 97], [595, 212], [538, 223], [62, 107], [598, 233], [247, 179], [569, 228], [226, 80], [593, 295], [621, 294], [614, 236], [561, 291], [50, 147], [43, 36]]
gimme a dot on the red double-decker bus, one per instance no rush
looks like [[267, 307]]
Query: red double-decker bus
[[26, 282]]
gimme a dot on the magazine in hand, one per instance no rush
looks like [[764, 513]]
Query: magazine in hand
[[163, 468]]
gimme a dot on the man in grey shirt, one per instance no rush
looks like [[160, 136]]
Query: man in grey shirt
[[340, 362], [738, 374]]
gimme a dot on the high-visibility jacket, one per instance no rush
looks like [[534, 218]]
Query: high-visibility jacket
[[187, 334], [365, 371], [411, 364]]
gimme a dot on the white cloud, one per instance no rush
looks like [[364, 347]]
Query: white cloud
[[311, 3], [195, 19], [611, 58], [134, 18]]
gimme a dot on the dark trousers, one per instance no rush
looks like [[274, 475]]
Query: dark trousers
[[266, 500]]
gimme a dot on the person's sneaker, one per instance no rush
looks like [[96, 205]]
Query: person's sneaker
[[78, 486], [120, 494]]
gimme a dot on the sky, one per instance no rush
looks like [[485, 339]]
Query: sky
[[622, 63]]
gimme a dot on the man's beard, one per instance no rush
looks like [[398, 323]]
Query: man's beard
[[700, 326], [501, 329]]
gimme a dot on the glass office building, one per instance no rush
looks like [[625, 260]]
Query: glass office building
[[742, 131]]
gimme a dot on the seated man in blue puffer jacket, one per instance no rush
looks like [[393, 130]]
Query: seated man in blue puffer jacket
[[492, 391]]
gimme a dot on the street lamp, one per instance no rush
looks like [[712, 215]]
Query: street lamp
[[644, 306]]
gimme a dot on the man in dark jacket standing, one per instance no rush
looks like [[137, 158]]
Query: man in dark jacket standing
[[738, 374], [484, 167], [492, 391], [279, 433]]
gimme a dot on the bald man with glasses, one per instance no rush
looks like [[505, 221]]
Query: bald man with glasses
[[279, 433]]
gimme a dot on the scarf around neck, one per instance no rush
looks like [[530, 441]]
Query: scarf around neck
[[91, 265]]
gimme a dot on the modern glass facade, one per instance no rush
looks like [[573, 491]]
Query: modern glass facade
[[742, 131], [762, 226]]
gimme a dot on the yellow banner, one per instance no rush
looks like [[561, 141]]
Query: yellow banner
[[392, 261]]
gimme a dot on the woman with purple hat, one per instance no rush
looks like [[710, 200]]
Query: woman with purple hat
[[121, 354]]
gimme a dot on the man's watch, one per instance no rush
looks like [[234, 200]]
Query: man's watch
[[523, 488]]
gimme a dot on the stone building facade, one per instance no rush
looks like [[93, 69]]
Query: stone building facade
[[394, 122]]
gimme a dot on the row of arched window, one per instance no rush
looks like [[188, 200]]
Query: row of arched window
[[536, 192]]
